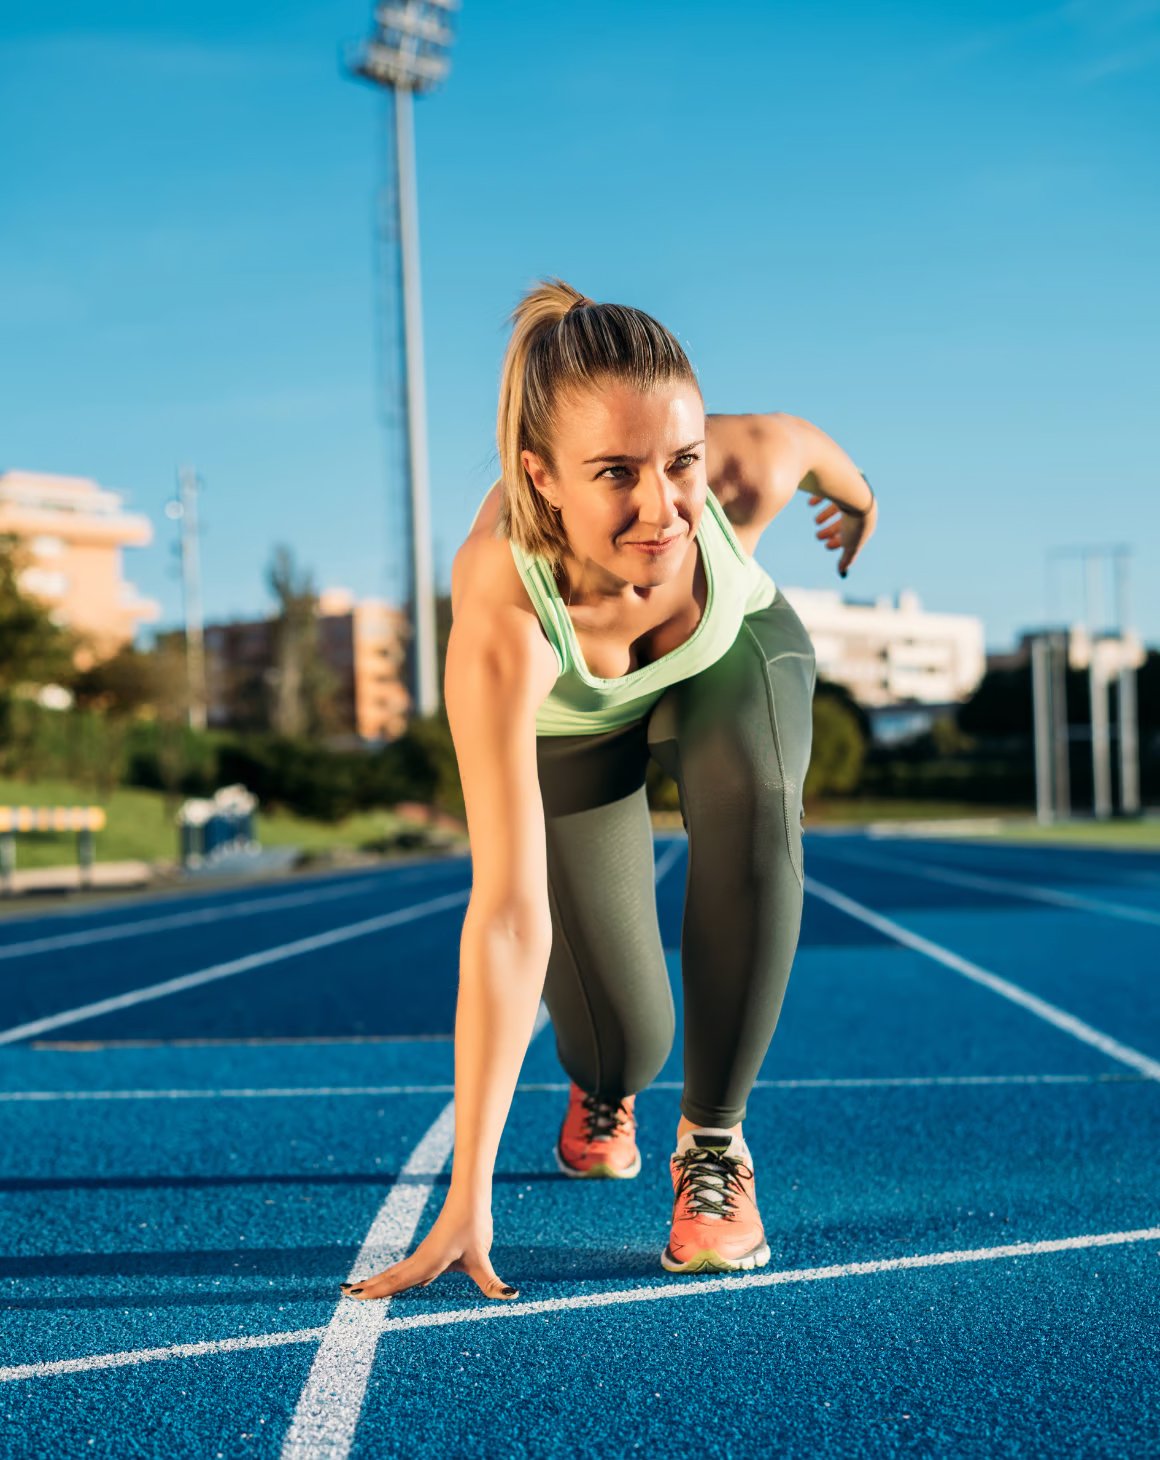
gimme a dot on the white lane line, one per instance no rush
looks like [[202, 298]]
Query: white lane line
[[236, 965], [218, 913], [1038, 850], [13, 1372], [1040, 1007], [732, 1282], [681, 1287], [560, 1087], [328, 1408], [1008, 888]]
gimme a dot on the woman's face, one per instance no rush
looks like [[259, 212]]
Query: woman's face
[[630, 468]]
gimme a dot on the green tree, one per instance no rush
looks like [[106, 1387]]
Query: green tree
[[839, 748], [301, 686], [135, 683], [34, 650]]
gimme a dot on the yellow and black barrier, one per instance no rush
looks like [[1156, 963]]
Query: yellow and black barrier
[[52, 818], [84, 820]]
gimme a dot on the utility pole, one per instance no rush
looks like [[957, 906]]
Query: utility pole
[[183, 509], [1049, 715], [407, 54], [1107, 654], [1126, 709]]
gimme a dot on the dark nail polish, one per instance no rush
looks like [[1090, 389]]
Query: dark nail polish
[[509, 1292]]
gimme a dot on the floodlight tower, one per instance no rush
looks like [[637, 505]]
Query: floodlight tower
[[407, 54], [183, 508]]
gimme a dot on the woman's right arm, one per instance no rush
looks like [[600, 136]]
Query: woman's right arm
[[499, 669], [495, 681]]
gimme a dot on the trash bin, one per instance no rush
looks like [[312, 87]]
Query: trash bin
[[210, 828]]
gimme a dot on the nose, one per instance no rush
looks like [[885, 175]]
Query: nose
[[657, 503]]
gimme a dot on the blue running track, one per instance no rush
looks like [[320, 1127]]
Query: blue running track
[[216, 1107]]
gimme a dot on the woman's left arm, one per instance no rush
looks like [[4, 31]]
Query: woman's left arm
[[850, 514], [765, 458]]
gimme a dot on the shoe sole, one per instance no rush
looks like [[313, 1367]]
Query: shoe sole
[[601, 1168], [710, 1260]]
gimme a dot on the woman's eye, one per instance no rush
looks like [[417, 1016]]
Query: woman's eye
[[682, 463]]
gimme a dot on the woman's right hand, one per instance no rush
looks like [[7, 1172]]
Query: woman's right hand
[[460, 1241]]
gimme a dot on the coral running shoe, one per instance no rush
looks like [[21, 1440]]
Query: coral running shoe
[[598, 1136], [716, 1224]]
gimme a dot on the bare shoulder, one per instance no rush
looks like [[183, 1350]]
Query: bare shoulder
[[492, 614], [754, 465], [772, 438]]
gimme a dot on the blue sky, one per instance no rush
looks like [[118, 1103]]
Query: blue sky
[[930, 229]]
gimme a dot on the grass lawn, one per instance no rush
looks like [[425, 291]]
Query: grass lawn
[[141, 824]]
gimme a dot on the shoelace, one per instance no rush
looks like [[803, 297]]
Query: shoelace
[[708, 1175], [604, 1117]]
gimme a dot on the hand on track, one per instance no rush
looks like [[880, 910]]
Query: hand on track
[[460, 1241]]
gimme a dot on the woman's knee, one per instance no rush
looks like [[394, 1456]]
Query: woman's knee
[[648, 1053], [626, 1060]]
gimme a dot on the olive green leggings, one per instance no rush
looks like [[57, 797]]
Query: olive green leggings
[[736, 738]]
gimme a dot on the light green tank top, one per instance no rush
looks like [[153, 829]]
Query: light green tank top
[[585, 704]]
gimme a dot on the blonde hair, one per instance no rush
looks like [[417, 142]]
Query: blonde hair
[[562, 341]]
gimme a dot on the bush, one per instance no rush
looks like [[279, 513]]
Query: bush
[[163, 756], [838, 751], [81, 746]]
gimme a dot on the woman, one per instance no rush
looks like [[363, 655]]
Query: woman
[[607, 609]]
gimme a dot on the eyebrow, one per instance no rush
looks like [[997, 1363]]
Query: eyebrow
[[636, 460]]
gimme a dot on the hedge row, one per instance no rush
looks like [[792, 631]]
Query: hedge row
[[99, 753]]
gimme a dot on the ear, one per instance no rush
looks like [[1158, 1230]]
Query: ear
[[535, 468]]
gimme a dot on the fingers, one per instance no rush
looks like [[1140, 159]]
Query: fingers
[[490, 1285], [395, 1280], [392, 1280]]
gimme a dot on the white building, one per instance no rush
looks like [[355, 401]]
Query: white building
[[73, 532], [892, 653]]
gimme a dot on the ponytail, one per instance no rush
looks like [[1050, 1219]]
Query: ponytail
[[561, 340]]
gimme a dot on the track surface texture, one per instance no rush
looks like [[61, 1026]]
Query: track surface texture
[[215, 1108]]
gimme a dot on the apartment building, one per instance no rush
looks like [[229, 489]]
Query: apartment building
[[362, 643], [73, 532]]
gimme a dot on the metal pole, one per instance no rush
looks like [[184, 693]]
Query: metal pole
[[1126, 710], [1061, 738], [8, 862], [1041, 710], [1101, 759], [426, 685], [1129, 741], [189, 485], [85, 856]]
